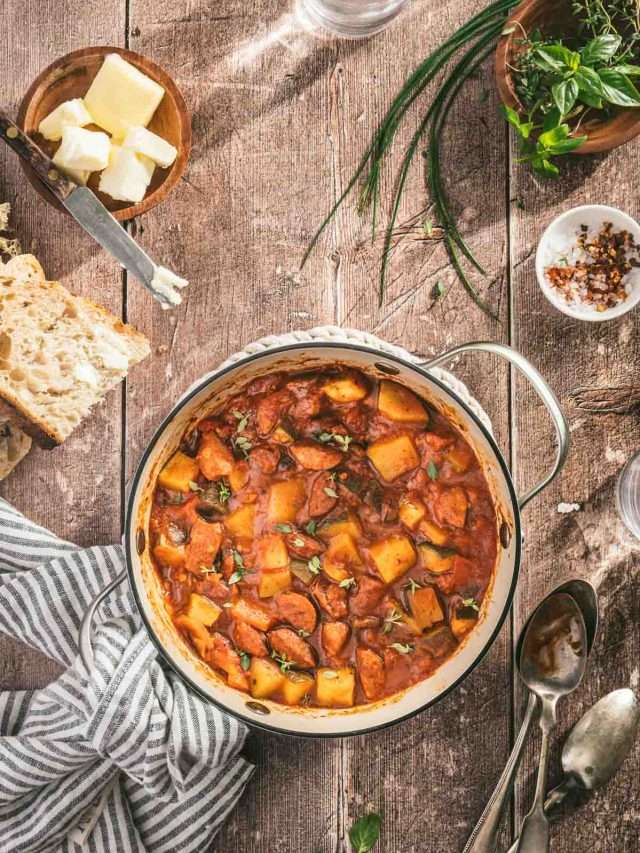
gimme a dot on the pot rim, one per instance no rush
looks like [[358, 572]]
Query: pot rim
[[195, 389]]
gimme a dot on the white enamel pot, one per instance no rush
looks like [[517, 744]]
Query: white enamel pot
[[211, 394]]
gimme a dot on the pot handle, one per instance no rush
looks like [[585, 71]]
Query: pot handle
[[84, 640], [540, 387]]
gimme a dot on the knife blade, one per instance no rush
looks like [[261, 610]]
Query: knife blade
[[87, 209]]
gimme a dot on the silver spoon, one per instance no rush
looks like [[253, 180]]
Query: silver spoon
[[552, 663], [483, 838], [598, 744]]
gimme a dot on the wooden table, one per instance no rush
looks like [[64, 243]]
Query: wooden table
[[280, 119]]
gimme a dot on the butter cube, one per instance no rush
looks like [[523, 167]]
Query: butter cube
[[82, 150], [127, 176], [78, 176], [69, 114], [121, 96], [143, 141]]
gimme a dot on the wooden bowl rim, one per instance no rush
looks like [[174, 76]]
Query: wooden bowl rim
[[152, 69], [603, 142]]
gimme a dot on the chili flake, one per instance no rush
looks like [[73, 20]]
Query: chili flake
[[595, 272]]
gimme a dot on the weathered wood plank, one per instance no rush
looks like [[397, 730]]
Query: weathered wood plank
[[75, 489], [235, 228], [429, 776], [592, 542]]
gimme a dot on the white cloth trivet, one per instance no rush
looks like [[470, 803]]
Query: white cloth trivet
[[126, 761]]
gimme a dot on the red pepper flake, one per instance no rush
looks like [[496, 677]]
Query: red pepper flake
[[597, 277]]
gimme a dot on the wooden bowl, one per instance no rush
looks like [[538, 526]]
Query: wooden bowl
[[70, 77], [554, 19]]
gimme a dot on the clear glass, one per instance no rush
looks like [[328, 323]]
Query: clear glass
[[352, 18], [628, 494]]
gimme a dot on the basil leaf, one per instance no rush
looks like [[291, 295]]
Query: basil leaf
[[523, 128], [618, 89], [629, 70], [565, 95], [600, 49], [554, 57], [588, 81], [365, 832]]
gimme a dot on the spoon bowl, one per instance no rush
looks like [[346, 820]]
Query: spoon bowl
[[554, 649], [601, 739]]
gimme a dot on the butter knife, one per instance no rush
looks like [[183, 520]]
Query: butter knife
[[94, 217]]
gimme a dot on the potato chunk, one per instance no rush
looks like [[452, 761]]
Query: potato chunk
[[179, 471], [433, 532], [285, 500], [335, 688], [240, 523], [393, 556], [371, 673], [460, 458], [401, 405], [200, 636], [434, 560], [239, 476], [411, 511], [273, 581], [425, 607], [341, 557], [296, 686], [272, 552], [393, 456], [265, 678], [203, 610], [169, 555], [281, 435], [348, 523], [460, 626], [214, 457], [346, 389]]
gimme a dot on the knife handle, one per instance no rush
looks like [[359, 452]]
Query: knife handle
[[47, 172]]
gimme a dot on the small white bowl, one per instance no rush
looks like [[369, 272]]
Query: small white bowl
[[560, 237]]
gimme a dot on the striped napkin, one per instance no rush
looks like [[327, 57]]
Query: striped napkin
[[121, 759]]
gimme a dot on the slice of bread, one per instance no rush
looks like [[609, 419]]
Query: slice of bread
[[14, 446], [59, 353], [9, 245]]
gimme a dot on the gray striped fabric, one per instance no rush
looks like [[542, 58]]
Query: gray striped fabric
[[126, 759]]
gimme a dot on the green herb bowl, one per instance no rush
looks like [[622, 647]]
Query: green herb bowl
[[555, 18]]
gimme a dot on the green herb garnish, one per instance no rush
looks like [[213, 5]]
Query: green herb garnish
[[341, 441], [283, 661], [403, 648], [331, 492], [432, 471], [298, 543], [283, 528], [224, 492], [365, 833], [311, 527], [347, 583], [241, 443], [413, 585], [240, 570], [245, 660], [242, 419], [314, 565], [394, 618], [472, 603]]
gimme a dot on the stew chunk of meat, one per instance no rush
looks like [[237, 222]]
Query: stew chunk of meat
[[291, 647]]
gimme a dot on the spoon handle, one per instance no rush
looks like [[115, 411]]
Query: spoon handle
[[555, 798], [485, 832], [534, 835]]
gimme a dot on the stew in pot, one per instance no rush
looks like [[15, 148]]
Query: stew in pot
[[325, 539]]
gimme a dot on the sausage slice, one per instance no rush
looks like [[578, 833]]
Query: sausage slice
[[289, 645], [315, 457], [297, 610]]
